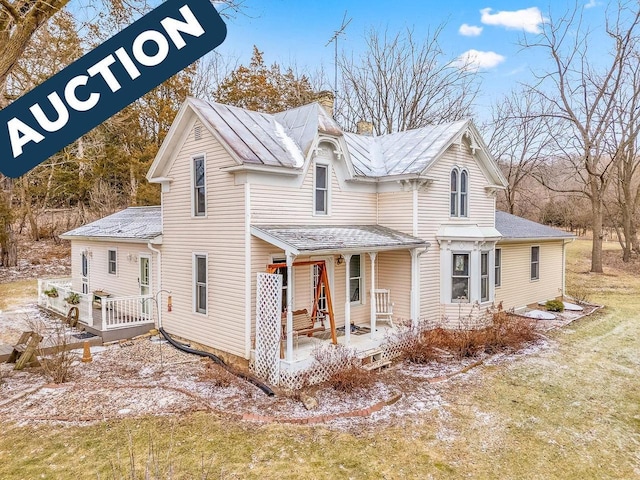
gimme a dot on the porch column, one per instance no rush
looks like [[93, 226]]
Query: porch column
[[289, 355], [415, 286], [372, 256], [347, 300]]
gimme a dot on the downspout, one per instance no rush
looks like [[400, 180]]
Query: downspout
[[247, 269], [159, 256]]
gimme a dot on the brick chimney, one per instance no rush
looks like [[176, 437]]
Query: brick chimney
[[326, 98], [364, 128]]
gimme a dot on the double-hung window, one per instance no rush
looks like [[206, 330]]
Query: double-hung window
[[535, 263], [199, 187], [321, 193], [112, 266], [285, 281], [460, 278], [498, 267], [355, 278], [200, 287], [484, 276]]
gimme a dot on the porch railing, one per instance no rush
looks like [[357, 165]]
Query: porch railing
[[58, 303], [118, 312]]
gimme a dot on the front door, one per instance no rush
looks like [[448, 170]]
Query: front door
[[85, 272], [145, 281]]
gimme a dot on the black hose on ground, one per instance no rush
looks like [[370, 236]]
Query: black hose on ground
[[249, 378]]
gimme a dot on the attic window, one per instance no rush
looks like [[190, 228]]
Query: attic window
[[197, 132]]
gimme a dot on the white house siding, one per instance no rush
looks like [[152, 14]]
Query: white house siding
[[517, 289], [219, 234], [293, 205], [393, 272], [125, 281], [433, 211], [395, 210]]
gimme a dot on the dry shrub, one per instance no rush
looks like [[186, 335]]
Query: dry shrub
[[503, 331], [216, 375], [346, 372]]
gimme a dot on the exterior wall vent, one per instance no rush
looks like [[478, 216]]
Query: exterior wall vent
[[197, 132]]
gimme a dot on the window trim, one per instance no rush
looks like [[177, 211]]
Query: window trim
[[194, 201], [532, 263], [361, 299], [279, 258], [115, 261], [327, 166], [467, 276], [195, 257], [485, 276], [458, 199], [497, 265]]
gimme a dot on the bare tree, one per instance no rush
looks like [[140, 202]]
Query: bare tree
[[520, 136], [582, 92], [400, 83]]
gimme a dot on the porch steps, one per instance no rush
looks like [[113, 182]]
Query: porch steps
[[372, 359]]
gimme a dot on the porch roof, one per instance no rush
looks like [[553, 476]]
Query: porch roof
[[302, 239]]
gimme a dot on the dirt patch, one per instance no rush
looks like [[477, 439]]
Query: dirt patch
[[42, 259]]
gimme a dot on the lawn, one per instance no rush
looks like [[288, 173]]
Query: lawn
[[570, 410]]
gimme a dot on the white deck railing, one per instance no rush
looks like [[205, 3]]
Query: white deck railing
[[58, 303], [115, 312], [118, 312]]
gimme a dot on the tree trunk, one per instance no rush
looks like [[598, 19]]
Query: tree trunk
[[596, 226]]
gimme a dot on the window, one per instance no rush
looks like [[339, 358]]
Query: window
[[460, 278], [322, 298], [111, 262], [484, 277], [498, 267], [321, 189], [535, 263], [85, 272], [459, 200], [199, 188], [285, 280], [355, 278], [200, 291]]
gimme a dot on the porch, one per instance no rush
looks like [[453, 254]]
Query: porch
[[108, 316]]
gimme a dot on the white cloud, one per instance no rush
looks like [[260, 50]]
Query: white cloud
[[591, 4], [528, 19], [474, 60], [469, 30]]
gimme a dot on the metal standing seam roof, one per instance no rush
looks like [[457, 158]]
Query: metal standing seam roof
[[314, 238], [137, 223], [408, 152], [514, 227]]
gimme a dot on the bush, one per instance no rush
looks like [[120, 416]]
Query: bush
[[554, 306], [504, 331], [346, 372]]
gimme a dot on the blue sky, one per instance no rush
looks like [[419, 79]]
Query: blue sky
[[295, 32]]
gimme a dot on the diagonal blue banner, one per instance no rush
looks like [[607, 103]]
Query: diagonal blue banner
[[106, 80]]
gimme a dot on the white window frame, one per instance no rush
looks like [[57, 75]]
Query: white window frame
[[195, 257], [327, 190], [194, 200], [361, 299], [279, 258], [532, 263], [467, 276], [115, 261], [497, 265], [458, 198], [485, 276]]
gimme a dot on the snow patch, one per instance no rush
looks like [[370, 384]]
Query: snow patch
[[289, 145]]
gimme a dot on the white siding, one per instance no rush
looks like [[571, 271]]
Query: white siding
[[395, 210], [125, 281], [219, 234], [393, 272], [517, 289]]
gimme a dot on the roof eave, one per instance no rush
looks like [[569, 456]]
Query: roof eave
[[268, 169], [354, 250], [155, 240], [535, 239]]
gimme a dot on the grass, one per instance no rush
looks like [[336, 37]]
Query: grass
[[15, 293], [567, 412]]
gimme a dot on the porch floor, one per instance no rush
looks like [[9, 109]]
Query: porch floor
[[303, 346]]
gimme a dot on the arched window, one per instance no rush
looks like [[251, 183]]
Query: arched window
[[459, 203], [454, 192]]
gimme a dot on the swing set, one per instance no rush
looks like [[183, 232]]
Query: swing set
[[303, 323]]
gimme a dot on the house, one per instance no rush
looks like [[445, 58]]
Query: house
[[413, 213]]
